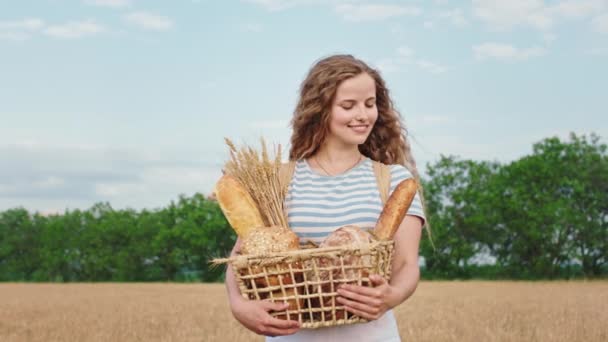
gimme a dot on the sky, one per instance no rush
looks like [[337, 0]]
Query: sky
[[128, 102]]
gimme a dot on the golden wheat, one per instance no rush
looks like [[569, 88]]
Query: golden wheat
[[259, 173], [438, 311]]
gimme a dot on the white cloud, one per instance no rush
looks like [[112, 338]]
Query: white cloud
[[549, 37], [254, 28], [28, 24], [49, 182], [14, 36], [106, 190], [51, 177], [405, 51], [388, 65], [428, 24], [207, 85], [109, 3], [149, 21], [503, 15], [279, 5], [405, 57], [454, 16], [348, 10], [436, 119], [506, 52], [598, 51], [578, 8], [74, 29], [431, 67], [19, 30], [270, 124], [397, 29], [364, 12], [600, 23]]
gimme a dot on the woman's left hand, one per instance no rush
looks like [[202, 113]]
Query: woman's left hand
[[368, 302]]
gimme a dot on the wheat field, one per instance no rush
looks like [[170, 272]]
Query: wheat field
[[438, 311]]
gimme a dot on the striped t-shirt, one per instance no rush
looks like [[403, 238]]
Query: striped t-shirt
[[318, 204]]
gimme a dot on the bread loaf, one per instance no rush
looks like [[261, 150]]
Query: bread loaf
[[269, 240], [348, 271], [237, 205], [395, 209], [266, 240], [345, 236]]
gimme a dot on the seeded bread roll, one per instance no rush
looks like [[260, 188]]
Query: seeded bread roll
[[395, 209], [268, 240], [238, 206], [265, 240]]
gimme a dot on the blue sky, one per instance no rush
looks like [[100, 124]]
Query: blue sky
[[128, 101]]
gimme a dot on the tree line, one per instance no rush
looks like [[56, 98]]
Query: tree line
[[543, 216]]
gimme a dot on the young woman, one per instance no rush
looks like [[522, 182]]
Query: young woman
[[343, 120]]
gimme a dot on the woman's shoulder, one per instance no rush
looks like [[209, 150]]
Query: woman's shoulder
[[398, 171]]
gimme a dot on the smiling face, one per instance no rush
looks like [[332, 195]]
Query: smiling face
[[353, 111]]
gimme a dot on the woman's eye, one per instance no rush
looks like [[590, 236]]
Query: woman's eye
[[371, 105], [347, 107]]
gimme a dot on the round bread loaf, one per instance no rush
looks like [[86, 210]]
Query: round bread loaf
[[330, 279], [347, 236], [352, 236]]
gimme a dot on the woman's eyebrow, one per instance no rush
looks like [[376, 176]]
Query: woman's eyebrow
[[353, 101]]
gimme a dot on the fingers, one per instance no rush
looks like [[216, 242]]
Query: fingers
[[271, 326], [271, 306], [282, 323], [279, 332], [368, 308], [364, 301], [368, 299], [377, 280], [362, 290], [362, 313]]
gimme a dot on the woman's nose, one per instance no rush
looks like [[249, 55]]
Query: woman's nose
[[362, 113]]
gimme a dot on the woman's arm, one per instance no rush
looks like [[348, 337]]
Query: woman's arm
[[254, 314], [234, 294], [372, 303]]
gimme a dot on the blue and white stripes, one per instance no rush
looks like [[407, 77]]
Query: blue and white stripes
[[317, 204]]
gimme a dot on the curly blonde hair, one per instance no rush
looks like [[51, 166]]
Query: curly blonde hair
[[387, 142]]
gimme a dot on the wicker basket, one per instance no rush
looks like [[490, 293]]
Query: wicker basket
[[307, 279]]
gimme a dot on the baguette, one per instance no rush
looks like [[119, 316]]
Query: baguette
[[395, 209], [238, 206]]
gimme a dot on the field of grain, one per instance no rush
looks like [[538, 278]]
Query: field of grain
[[439, 311]]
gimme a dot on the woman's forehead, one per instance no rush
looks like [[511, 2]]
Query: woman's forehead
[[362, 85]]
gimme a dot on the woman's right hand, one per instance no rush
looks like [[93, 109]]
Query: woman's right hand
[[255, 316]]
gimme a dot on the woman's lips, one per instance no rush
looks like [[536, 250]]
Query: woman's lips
[[359, 128]]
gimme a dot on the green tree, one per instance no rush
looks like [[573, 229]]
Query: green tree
[[456, 198], [19, 244], [553, 207]]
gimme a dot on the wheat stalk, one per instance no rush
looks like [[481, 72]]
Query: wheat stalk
[[259, 173]]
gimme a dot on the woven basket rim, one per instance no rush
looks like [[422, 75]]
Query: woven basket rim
[[315, 251]]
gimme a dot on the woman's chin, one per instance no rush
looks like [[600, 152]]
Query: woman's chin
[[353, 139], [358, 141]]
